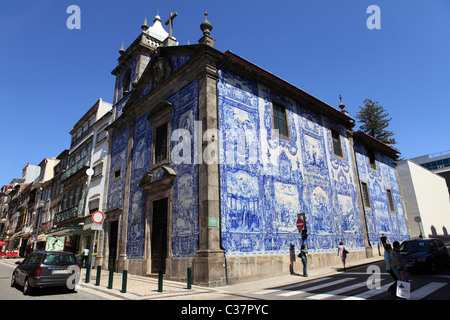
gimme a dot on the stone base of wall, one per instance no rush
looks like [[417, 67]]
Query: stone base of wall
[[212, 269], [243, 269]]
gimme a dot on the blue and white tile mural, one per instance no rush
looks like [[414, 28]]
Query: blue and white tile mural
[[185, 206], [267, 180], [185, 222], [118, 162], [137, 210], [379, 219]]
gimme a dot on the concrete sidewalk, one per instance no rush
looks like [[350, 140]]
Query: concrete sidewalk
[[143, 288]]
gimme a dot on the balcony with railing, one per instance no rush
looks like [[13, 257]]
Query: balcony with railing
[[84, 162], [70, 213]]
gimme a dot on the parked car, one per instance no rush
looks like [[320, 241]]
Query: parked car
[[43, 269], [425, 254]]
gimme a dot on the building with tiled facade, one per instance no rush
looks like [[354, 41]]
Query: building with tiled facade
[[210, 160]]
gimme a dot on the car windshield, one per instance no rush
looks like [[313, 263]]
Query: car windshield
[[416, 246], [58, 259]]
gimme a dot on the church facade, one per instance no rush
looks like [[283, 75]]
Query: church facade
[[213, 159]]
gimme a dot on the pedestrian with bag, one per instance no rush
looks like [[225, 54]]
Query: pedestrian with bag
[[390, 268], [403, 286], [342, 252]]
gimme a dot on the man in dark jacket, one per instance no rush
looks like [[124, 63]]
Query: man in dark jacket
[[398, 262]]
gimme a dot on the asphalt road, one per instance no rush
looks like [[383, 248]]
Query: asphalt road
[[360, 283], [9, 293]]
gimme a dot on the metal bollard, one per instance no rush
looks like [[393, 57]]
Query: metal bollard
[[110, 280], [88, 273], [124, 281], [99, 273], [189, 278], [160, 281]]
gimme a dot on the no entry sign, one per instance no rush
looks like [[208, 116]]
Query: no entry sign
[[97, 217], [300, 224]]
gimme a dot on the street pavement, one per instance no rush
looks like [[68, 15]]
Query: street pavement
[[146, 288]]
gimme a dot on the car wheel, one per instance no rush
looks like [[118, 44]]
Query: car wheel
[[13, 280], [26, 287]]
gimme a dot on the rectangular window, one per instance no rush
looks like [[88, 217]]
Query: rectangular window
[[161, 143], [365, 193], [117, 174], [390, 200], [371, 155], [280, 120], [98, 170], [337, 147]]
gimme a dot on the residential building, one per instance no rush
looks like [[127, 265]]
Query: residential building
[[80, 189], [438, 163], [426, 198]]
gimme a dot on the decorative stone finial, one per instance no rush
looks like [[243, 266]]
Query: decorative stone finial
[[206, 26], [122, 49], [145, 27], [341, 105]]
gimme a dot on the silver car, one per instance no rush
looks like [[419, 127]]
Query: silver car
[[43, 269]]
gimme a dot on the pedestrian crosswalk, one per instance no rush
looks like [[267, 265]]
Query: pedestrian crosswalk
[[346, 288]]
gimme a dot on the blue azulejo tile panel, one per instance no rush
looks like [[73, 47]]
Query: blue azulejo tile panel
[[178, 60], [137, 210], [379, 217], [267, 180], [185, 205], [118, 170]]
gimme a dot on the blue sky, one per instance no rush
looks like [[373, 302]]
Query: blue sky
[[50, 75]]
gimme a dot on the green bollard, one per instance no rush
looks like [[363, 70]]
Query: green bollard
[[160, 281], [110, 280], [124, 281], [99, 273], [88, 273], [189, 278]]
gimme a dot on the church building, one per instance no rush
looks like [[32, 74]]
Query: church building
[[213, 160]]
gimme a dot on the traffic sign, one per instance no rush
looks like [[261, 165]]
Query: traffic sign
[[98, 217], [300, 224]]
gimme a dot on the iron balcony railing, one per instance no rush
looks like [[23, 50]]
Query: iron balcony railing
[[84, 162], [70, 213]]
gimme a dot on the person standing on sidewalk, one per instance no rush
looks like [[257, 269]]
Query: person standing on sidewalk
[[303, 255], [342, 252]]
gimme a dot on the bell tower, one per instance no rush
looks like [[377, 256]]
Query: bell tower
[[132, 61]]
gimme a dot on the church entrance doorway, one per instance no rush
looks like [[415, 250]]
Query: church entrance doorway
[[113, 233], [159, 235]]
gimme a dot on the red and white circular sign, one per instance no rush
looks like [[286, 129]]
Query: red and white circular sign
[[98, 217], [300, 224]]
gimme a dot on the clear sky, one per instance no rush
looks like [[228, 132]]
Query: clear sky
[[50, 75]]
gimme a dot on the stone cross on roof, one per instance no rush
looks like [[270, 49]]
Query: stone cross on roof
[[170, 23]]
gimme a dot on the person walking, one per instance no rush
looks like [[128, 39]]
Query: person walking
[[84, 257], [390, 268], [303, 255], [398, 262], [342, 252]]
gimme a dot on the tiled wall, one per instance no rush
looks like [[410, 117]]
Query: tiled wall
[[260, 199]]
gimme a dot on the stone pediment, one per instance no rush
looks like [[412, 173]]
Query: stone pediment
[[157, 178]]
